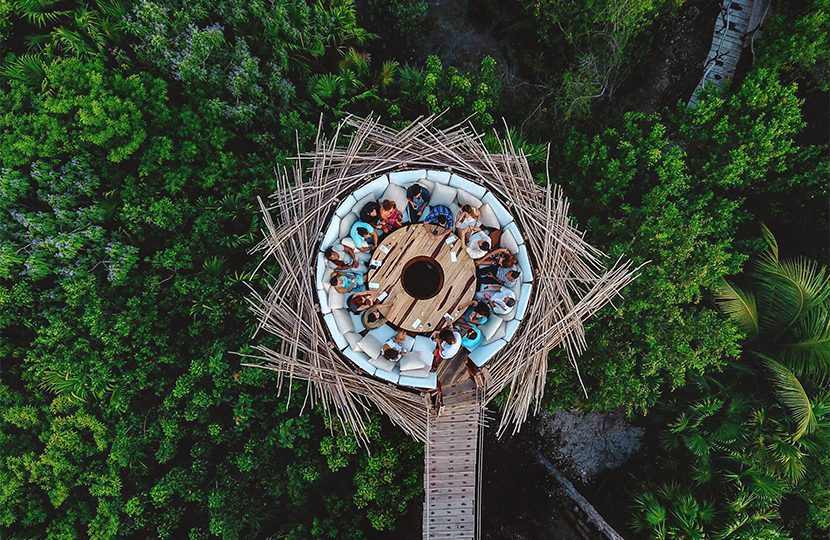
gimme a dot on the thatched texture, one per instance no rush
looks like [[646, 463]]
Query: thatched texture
[[571, 282]]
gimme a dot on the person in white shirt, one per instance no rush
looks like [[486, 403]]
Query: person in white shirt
[[500, 299], [448, 343], [478, 244], [393, 349]]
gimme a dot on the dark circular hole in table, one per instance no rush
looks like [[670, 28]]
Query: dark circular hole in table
[[422, 278]]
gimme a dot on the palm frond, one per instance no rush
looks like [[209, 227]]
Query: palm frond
[[740, 306], [809, 353], [792, 395], [26, 68]]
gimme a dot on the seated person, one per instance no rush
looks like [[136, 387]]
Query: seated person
[[364, 236], [500, 299], [360, 301], [477, 313], [448, 343], [390, 217], [500, 256], [440, 215], [498, 275], [370, 213], [467, 220], [417, 197], [340, 257], [471, 338], [477, 244], [373, 317], [393, 349], [346, 281]]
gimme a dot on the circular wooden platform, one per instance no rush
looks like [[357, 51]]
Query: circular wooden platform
[[418, 247]]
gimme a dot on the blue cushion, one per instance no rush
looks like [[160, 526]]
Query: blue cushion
[[375, 188], [523, 300], [485, 352], [389, 376], [504, 217], [360, 360], [428, 382], [441, 177], [406, 178], [524, 264], [338, 338], [346, 206], [476, 190]]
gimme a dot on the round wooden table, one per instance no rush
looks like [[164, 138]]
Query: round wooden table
[[427, 277]]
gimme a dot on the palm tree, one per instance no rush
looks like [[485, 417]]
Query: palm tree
[[786, 316]]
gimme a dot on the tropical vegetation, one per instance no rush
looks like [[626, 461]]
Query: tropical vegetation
[[135, 136]]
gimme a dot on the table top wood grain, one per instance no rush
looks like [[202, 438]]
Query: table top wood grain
[[419, 241]]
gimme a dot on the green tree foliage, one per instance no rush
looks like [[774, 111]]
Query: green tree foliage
[[673, 192]]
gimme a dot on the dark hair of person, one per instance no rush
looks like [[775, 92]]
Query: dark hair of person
[[413, 190], [482, 309], [446, 335], [391, 354], [472, 333], [334, 280], [366, 212], [484, 245], [329, 252], [510, 301], [389, 204], [363, 231], [442, 220], [467, 208], [514, 274], [372, 317]]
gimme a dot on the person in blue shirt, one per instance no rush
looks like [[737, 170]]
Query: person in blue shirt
[[471, 338], [440, 215], [346, 282], [417, 197], [364, 236]]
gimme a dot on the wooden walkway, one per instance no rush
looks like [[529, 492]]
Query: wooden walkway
[[453, 464], [738, 19]]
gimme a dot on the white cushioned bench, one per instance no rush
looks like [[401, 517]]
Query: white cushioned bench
[[362, 348]]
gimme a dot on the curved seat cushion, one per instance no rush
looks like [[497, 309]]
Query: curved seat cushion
[[484, 353], [360, 360], [502, 215], [332, 233], [513, 229], [476, 190], [375, 188], [336, 335], [523, 299], [425, 346], [510, 328], [395, 193], [346, 206], [439, 177], [465, 197], [524, 264], [323, 298], [442, 195], [342, 322], [491, 327], [321, 269], [346, 223], [391, 376], [327, 272], [508, 241], [428, 382], [353, 338], [407, 178], [489, 217]]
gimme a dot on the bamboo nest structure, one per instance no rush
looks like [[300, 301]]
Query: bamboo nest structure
[[571, 281]]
